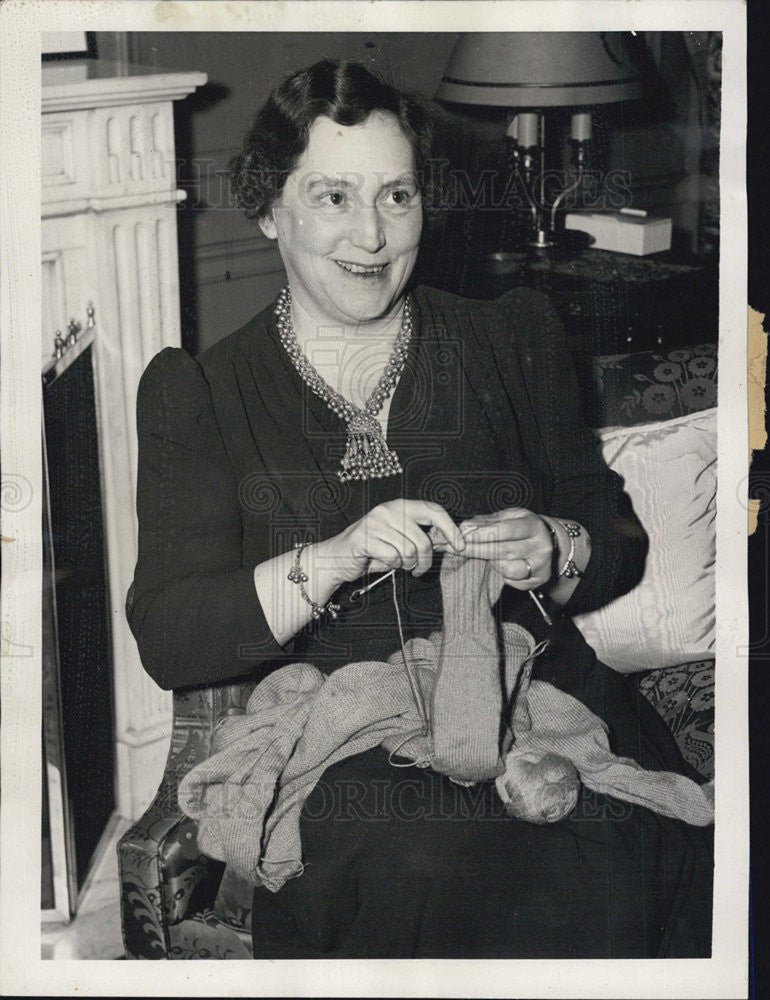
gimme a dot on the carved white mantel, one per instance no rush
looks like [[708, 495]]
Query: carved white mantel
[[109, 237]]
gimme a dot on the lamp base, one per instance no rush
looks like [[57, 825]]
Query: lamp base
[[542, 240], [554, 246]]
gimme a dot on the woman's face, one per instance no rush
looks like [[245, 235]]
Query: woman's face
[[348, 221]]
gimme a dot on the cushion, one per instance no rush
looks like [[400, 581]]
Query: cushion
[[669, 470], [647, 386]]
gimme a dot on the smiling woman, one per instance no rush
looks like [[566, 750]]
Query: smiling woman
[[348, 224], [364, 425], [330, 168]]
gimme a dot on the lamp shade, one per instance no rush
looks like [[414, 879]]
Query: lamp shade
[[539, 69]]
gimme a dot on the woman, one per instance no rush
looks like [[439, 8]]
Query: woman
[[349, 418]]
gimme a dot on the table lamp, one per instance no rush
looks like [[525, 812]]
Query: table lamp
[[530, 72]]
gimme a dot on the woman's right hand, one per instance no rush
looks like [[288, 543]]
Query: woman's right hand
[[390, 536]]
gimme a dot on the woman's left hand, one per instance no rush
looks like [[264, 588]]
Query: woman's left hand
[[517, 542]]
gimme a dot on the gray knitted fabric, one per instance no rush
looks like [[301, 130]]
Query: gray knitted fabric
[[248, 795], [473, 680]]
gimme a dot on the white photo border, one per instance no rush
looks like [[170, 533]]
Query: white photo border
[[22, 970]]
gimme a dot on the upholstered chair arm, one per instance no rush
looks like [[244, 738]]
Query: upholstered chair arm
[[164, 876]]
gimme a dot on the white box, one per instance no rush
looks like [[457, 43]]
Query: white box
[[626, 231]]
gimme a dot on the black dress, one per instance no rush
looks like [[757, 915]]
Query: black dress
[[237, 460]]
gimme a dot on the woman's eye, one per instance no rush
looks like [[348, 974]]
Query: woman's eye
[[334, 198], [400, 197]]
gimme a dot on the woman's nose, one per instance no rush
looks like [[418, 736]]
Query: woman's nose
[[367, 230]]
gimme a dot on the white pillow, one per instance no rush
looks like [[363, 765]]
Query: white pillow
[[669, 469]]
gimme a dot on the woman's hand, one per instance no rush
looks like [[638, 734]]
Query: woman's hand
[[390, 536], [518, 543]]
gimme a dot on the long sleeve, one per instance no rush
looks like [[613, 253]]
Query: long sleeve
[[582, 487], [193, 608]]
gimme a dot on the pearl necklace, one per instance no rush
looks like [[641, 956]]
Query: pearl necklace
[[367, 455]]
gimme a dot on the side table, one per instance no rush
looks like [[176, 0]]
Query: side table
[[611, 303]]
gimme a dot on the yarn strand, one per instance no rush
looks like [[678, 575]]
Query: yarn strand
[[413, 683]]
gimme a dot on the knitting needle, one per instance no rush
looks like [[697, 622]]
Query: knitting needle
[[363, 590], [546, 617]]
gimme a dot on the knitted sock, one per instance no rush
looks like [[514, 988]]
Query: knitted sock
[[468, 697]]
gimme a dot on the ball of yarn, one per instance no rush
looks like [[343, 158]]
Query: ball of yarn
[[537, 787]]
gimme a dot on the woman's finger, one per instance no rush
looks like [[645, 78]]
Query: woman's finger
[[414, 543], [511, 529], [422, 548], [506, 549], [383, 556], [410, 542], [375, 566], [522, 574], [497, 515], [427, 512]]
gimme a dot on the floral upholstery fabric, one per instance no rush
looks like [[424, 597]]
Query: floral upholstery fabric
[[163, 874], [648, 386], [205, 936], [684, 697]]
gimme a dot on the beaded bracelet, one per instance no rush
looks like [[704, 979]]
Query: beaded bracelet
[[570, 569], [299, 576]]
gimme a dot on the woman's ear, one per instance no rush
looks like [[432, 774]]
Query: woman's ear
[[268, 226]]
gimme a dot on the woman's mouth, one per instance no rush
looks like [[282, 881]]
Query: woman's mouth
[[365, 270]]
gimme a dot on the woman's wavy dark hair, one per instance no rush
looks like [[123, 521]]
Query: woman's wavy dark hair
[[341, 90]]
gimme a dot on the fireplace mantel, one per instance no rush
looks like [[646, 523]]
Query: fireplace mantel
[[98, 83], [109, 238]]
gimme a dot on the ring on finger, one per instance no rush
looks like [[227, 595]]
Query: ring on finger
[[528, 566]]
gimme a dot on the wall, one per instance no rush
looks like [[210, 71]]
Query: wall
[[229, 271]]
